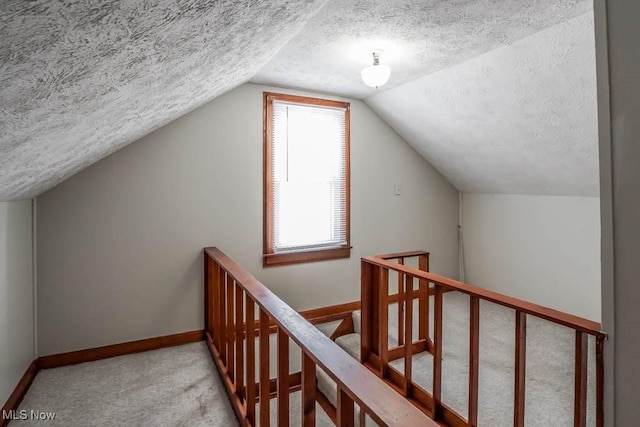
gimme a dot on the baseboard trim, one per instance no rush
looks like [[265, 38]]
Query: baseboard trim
[[99, 353], [19, 392]]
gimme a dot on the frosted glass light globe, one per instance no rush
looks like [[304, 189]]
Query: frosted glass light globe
[[375, 75]]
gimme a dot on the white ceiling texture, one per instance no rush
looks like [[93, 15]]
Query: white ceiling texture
[[499, 95]]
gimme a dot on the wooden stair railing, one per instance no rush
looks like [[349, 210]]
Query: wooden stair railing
[[376, 355], [238, 310], [405, 312]]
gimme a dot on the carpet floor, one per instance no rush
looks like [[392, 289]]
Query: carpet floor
[[174, 386], [179, 386], [549, 368]]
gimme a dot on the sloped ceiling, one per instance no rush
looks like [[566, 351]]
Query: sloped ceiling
[[79, 80], [521, 119], [418, 37]]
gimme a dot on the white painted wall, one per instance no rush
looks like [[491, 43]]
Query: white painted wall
[[544, 249], [120, 244], [16, 294]]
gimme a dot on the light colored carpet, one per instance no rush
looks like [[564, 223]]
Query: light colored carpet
[[550, 365], [174, 386], [295, 412], [180, 385]]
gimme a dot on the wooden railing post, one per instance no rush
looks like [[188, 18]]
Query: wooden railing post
[[308, 391], [520, 369], [283, 378], [437, 353], [401, 305], [250, 330], [408, 338], [383, 320], [599, 381], [230, 329], [423, 299], [474, 353], [366, 310], [345, 416], [214, 304], [239, 333], [580, 397], [265, 375]]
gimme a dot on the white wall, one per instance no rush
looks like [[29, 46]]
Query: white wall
[[119, 244], [16, 294], [544, 249]]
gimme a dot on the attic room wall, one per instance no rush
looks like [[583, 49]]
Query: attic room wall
[[120, 244], [544, 249], [16, 294]]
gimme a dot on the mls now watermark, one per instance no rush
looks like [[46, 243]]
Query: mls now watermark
[[23, 414]]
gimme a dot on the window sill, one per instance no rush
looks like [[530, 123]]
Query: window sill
[[285, 258]]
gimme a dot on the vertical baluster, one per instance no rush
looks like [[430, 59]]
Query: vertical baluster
[[362, 417], [520, 369], [474, 352], [383, 320], [401, 305], [345, 417], [408, 337], [239, 332], [283, 378], [580, 397], [250, 332], [437, 352], [308, 391], [374, 320], [265, 375], [423, 300], [230, 329], [599, 381], [222, 315], [366, 309]]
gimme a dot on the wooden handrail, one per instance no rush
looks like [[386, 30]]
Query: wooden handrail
[[356, 384], [575, 322], [401, 255], [375, 352]]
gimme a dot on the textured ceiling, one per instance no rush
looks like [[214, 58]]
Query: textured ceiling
[[418, 36], [521, 119], [80, 79]]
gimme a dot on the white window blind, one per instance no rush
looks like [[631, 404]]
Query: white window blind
[[309, 194]]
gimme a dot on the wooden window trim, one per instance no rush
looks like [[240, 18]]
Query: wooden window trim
[[270, 258]]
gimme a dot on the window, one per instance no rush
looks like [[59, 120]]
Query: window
[[306, 179]]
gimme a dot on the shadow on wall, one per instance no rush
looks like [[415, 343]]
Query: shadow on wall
[[16, 293]]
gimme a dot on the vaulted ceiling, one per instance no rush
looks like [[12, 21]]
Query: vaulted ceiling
[[499, 95], [520, 119]]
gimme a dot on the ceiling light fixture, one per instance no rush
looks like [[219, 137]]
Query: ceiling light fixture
[[376, 75]]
